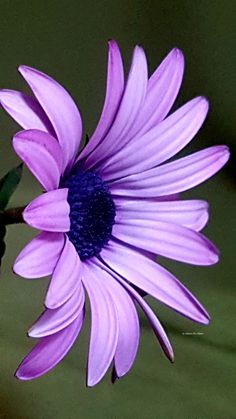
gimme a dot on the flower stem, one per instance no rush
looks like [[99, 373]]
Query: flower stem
[[12, 216]]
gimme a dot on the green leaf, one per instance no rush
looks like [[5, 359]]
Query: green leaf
[[8, 185]]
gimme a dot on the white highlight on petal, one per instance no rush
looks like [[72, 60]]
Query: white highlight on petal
[[128, 339], [49, 212], [66, 277], [130, 106], [114, 91], [42, 155], [49, 351], [39, 257], [153, 320], [169, 240], [104, 327], [25, 110], [192, 214], [173, 177], [159, 144], [60, 109], [52, 321], [154, 280]]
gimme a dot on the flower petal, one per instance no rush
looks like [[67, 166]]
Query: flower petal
[[66, 277], [104, 327], [169, 240], [60, 109], [153, 320], [42, 155], [128, 339], [154, 280], [160, 143], [192, 214], [174, 177], [114, 91], [130, 106], [49, 212], [162, 89], [52, 321], [49, 351], [25, 110], [39, 257]]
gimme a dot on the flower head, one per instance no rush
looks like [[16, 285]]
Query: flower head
[[109, 208]]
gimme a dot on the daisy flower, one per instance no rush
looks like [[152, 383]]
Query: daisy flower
[[109, 208]]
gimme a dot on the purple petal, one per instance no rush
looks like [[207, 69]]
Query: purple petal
[[154, 280], [52, 321], [163, 87], [114, 91], [49, 212], [160, 143], [39, 257], [174, 177], [66, 277], [153, 320], [192, 214], [104, 326], [42, 155], [60, 109], [25, 110], [49, 351], [130, 106], [169, 240], [128, 339]]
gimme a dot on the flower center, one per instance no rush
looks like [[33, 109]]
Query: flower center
[[92, 213]]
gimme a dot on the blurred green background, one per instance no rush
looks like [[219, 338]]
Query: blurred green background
[[67, 39]]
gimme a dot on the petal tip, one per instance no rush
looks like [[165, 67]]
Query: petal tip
[[15, 268], [18, 267], [19, 375], [23, 68], [226, 152], [214, 256], [170, 355], [90, 382], [51, 303], [178, 53], [112, 43]]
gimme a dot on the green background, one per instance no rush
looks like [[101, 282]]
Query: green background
[[68, 40]]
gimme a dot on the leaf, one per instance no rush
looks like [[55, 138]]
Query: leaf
[[8, 185]]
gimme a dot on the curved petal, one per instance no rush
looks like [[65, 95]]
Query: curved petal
[[130, 105], [42, 155], [49, 351], [104, 327], [159, 144], [162, 89], [114, 91], [39, 257], [192, 214], [169, 240], [66, 277], [52, 321], [153, 320], [49, 212], [25, 110], [128, 339], [60, 109], [174, 177], [154, 280]]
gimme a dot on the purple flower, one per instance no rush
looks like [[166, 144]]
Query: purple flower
[[110, 208]]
